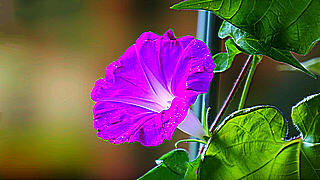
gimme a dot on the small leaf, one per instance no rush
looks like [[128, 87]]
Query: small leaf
[[193, 166], [250, 146], [223, 61], [313, 65], [288, 25], [250, 45], [172, 165], [306, 115]]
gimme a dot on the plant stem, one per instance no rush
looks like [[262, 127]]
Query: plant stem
[[226, 103], [255, 61], [231, 94]]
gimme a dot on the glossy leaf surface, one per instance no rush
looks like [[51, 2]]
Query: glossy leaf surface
[[310, 161], [171, 166], [306, 115], [292, 25], [223, 61], [313, 65], [250, 146], [193, 166], [250, 45]]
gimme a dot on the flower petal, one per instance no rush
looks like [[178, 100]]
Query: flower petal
[[170, 53], [168, 35], [147, 36], [125, 81], [120, 122], [183, 67], [117, 122], [172, 117], [194, 71], [148, 55], [159, 58]]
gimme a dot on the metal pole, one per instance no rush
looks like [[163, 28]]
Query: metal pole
[[207, 31]]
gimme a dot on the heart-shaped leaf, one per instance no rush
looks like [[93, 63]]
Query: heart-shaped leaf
[[250, 45], [292, 25], [250, 145]]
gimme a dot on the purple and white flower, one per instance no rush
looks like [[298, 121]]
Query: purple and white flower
[[148, 91]]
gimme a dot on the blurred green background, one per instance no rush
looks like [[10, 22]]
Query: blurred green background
[[52, 52]]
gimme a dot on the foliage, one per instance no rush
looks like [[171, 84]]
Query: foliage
[[253, 46], [312, 64], [270, 28], [250, 143], [306, 115], [288, 25], [223, 61], [172, 165]]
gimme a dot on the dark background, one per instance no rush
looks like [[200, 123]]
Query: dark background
[[52, 52]]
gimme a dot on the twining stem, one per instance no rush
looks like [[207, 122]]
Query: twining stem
[[227, 102], [255, 61], [231, 94]]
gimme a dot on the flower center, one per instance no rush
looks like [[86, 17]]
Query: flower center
[[168, 105], [162, 95], [165, 100]]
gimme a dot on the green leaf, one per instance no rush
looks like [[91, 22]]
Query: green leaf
[[312, 64], [171, 166], [250, 145], [174, 165], [310, 161], [223, 61], [193, 166], [250, 45], [292, 25], [306, 115]]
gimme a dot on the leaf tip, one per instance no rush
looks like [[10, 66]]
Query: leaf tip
[[313, 75], [175, 6], [181, 5]]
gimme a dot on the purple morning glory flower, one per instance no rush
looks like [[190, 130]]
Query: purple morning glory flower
[[148, 91]]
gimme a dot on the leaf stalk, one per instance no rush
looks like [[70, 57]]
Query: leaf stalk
[[230, 96], [255, 61]]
